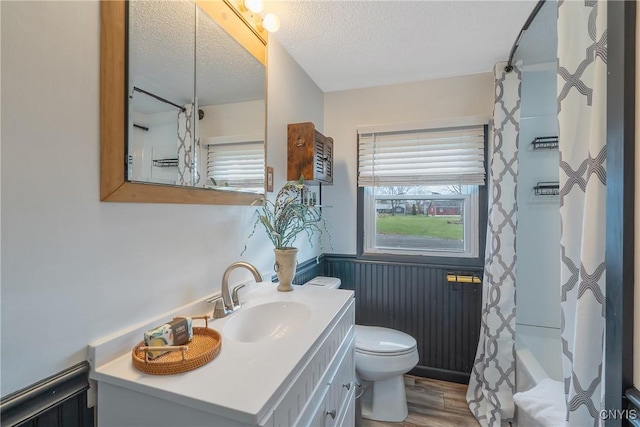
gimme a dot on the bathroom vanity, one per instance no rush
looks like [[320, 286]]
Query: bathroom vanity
[[287, 359]]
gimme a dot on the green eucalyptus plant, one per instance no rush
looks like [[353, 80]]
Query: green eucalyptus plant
[[288, 216]]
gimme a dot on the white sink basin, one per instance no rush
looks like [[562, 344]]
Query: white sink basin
[[269, 321]]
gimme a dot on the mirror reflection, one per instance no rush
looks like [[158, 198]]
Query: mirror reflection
[[230, 90], [196, 101]]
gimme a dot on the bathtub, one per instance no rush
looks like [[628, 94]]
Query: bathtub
[[529, 373]]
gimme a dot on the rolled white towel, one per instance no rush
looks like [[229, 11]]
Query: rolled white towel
[[545, 403]]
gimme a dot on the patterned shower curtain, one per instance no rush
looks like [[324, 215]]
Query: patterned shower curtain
[[492, 382], [187, 134], [581, 82]]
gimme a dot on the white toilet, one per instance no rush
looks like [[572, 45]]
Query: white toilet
[[382, 356]]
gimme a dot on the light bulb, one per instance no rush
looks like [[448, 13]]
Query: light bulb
[[254, 6], [271, 22]]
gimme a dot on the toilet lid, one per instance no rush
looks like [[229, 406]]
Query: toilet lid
[[374, 339]]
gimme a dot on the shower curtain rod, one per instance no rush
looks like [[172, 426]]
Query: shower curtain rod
[[137, 89], [525, 27]]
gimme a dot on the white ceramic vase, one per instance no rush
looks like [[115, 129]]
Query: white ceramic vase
[[285, 267]]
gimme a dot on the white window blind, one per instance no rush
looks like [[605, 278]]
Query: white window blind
[[443, 156], [239, 165]]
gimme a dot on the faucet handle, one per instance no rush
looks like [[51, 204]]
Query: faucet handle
[[234, 295], [218, 310], [213, 300]]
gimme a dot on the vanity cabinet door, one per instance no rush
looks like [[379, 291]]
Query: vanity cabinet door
[[349, 412], [320, 415]]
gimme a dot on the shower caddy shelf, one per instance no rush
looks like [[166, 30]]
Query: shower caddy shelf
[[545, 143], [547, 189], [165, 163]]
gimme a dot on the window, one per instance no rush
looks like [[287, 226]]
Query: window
[[238, 165], [422, 190]]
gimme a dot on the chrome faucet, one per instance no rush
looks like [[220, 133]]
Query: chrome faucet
[[229, 301]]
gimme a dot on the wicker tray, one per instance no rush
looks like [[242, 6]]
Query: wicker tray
[[202, 349]]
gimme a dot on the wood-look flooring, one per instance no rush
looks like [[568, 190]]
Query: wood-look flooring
[[432, 403]]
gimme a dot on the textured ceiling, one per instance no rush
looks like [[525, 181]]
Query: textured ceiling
[[341, 44], [345, 44], [164, 39]]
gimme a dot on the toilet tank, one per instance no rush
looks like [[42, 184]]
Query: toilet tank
[[326, 282]]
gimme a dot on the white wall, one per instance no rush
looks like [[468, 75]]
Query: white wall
[[159, 141], [239, 118], [538, 236], [292, 98], [470, 95], [74, 268]]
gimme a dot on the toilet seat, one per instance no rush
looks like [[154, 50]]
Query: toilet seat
[[373, 353], [378, 341]]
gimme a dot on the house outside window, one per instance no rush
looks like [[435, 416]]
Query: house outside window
[[422, 191]]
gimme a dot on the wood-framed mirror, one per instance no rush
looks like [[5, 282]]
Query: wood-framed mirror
[[115, 119]]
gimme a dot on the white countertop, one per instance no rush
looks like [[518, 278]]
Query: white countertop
[[245, 379]]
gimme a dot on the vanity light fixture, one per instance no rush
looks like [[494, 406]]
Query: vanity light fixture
[[255, 6], [270, 22]]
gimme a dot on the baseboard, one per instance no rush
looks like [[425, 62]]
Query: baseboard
[[441, 374]]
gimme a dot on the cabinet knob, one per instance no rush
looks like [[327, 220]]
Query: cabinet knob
[[347, 386], [332, 414]]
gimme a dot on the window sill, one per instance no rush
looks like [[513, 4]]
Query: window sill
[[447, 262]]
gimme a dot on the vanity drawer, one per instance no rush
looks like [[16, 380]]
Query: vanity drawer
[[348, 418], [340, 388], [338, 392], [310, 385]]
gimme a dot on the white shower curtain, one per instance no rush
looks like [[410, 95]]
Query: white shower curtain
[[492, 382], [582, 70]]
